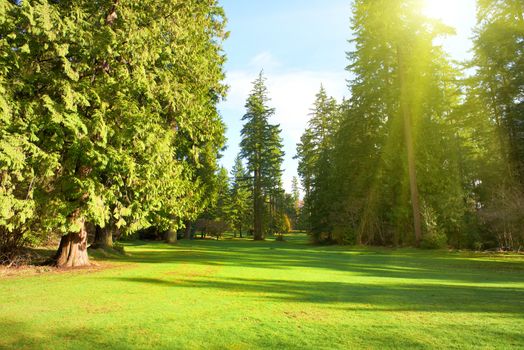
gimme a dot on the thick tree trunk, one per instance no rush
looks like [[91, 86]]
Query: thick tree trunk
[[73, 249], [171, 237], [103, 238]]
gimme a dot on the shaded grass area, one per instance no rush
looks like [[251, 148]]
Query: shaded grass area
[[239, 294]]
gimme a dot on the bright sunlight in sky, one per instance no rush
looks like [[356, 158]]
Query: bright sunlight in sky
[[449, 11], [301, 44]]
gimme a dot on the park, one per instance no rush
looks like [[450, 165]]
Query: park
[[240, 294], [223, 174]]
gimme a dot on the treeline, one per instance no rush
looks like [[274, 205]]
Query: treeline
[[424, 152], [108, 119]]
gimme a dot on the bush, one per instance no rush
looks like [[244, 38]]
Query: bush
[[434, 237], [434, 241], [13, 244]]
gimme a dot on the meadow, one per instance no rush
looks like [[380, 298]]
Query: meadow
[[240, 294]]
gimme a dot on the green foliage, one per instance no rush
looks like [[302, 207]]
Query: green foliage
[[315, 153], [261, 147], [417, 136], [108, 109], [241, 204]]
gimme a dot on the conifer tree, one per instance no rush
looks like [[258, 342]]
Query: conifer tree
[[394, 155], [241, 206], [494, 112], [261, 147], [316, 166], [121, 99]]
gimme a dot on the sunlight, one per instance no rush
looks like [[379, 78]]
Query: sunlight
[[448, 11]]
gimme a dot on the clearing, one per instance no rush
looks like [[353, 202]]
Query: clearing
[[239, 294]]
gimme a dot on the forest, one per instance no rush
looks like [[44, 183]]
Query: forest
[[409, 199], [99, 137]]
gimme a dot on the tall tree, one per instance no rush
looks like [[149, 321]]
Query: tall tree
[[295, 197], [315, 154], [397, 124], [95, 83], [261, 147], [495, 112]]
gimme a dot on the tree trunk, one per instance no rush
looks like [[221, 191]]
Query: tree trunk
[[73, 249], [258, 207], [103, 238], [171, 237], [187, 233], [406, 112]]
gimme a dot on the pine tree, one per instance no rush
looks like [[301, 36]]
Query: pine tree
[[387, 163], [241, 206], [261, 147], [295, 198], [316, 166], [495, 111]]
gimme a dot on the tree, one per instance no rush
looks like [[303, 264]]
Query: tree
[[94, 88], [397, 124], [241, 206], [315, 154], [494, 109], [261, 147]]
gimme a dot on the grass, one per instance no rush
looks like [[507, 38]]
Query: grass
[[236, 294]]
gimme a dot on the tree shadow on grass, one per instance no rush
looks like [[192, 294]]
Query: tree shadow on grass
[[359, 296], [373, 262], [27, 335], [393, 264], [21, 335]]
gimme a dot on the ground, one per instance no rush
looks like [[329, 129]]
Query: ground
[[238, 294]]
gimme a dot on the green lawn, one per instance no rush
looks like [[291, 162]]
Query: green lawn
[[237, 294]]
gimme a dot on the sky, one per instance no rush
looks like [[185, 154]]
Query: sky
[[301, 44]]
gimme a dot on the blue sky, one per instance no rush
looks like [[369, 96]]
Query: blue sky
[[301, 44]]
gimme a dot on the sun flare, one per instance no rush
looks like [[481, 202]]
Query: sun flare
[[450, 12]]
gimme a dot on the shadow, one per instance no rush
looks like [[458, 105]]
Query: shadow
[[357, 296], [383, 263], [21, 335]]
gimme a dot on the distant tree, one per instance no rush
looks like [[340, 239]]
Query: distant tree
[[241, 199], [261, 147], [315, 154], [219, 209]]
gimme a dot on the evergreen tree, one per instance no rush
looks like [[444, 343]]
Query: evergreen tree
[[261, 147], [316, 166], [93, 91], [395, 153], [241, 197], [295, 198]]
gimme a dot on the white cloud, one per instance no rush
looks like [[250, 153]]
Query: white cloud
[[264, 60], [292, 94]]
